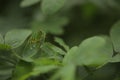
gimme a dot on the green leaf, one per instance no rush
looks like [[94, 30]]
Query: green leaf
[[116, 58], [50, 7], [16, 38], [26, 3], [95, 52], [115, 36], [22, 71], [67, 72], [62, 43], [53, 25], [1, 39], [44, 65], [69, 57], [43, 69], [45, 61]]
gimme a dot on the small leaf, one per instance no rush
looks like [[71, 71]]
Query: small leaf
[[50, 7], [95, 52], [70, 55], [67, 72], [115, 36], [1, 39], [116, 58], [46, 61], [44, 65], [62, 43], [53, 24], [26, 3], [16, 38], [43, 69]]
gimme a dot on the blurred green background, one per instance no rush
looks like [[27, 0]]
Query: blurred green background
[[77, 20]]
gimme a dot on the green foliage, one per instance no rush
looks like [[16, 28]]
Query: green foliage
[[40, 57], [77, 45], [26, 3], [53, 24], [50, 7], [65, 73]]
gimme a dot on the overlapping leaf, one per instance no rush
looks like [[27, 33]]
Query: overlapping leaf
[[95, 51], [16, 38], [53, 25], [115, 36]]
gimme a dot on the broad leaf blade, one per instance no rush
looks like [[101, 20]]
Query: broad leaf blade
[[115, 36], [26, 3], [95, 52], [16, 38], [52, 6]]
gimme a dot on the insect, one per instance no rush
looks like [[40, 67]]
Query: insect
[[33, 44]]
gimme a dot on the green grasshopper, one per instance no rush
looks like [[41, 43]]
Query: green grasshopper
[[33, 44]]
